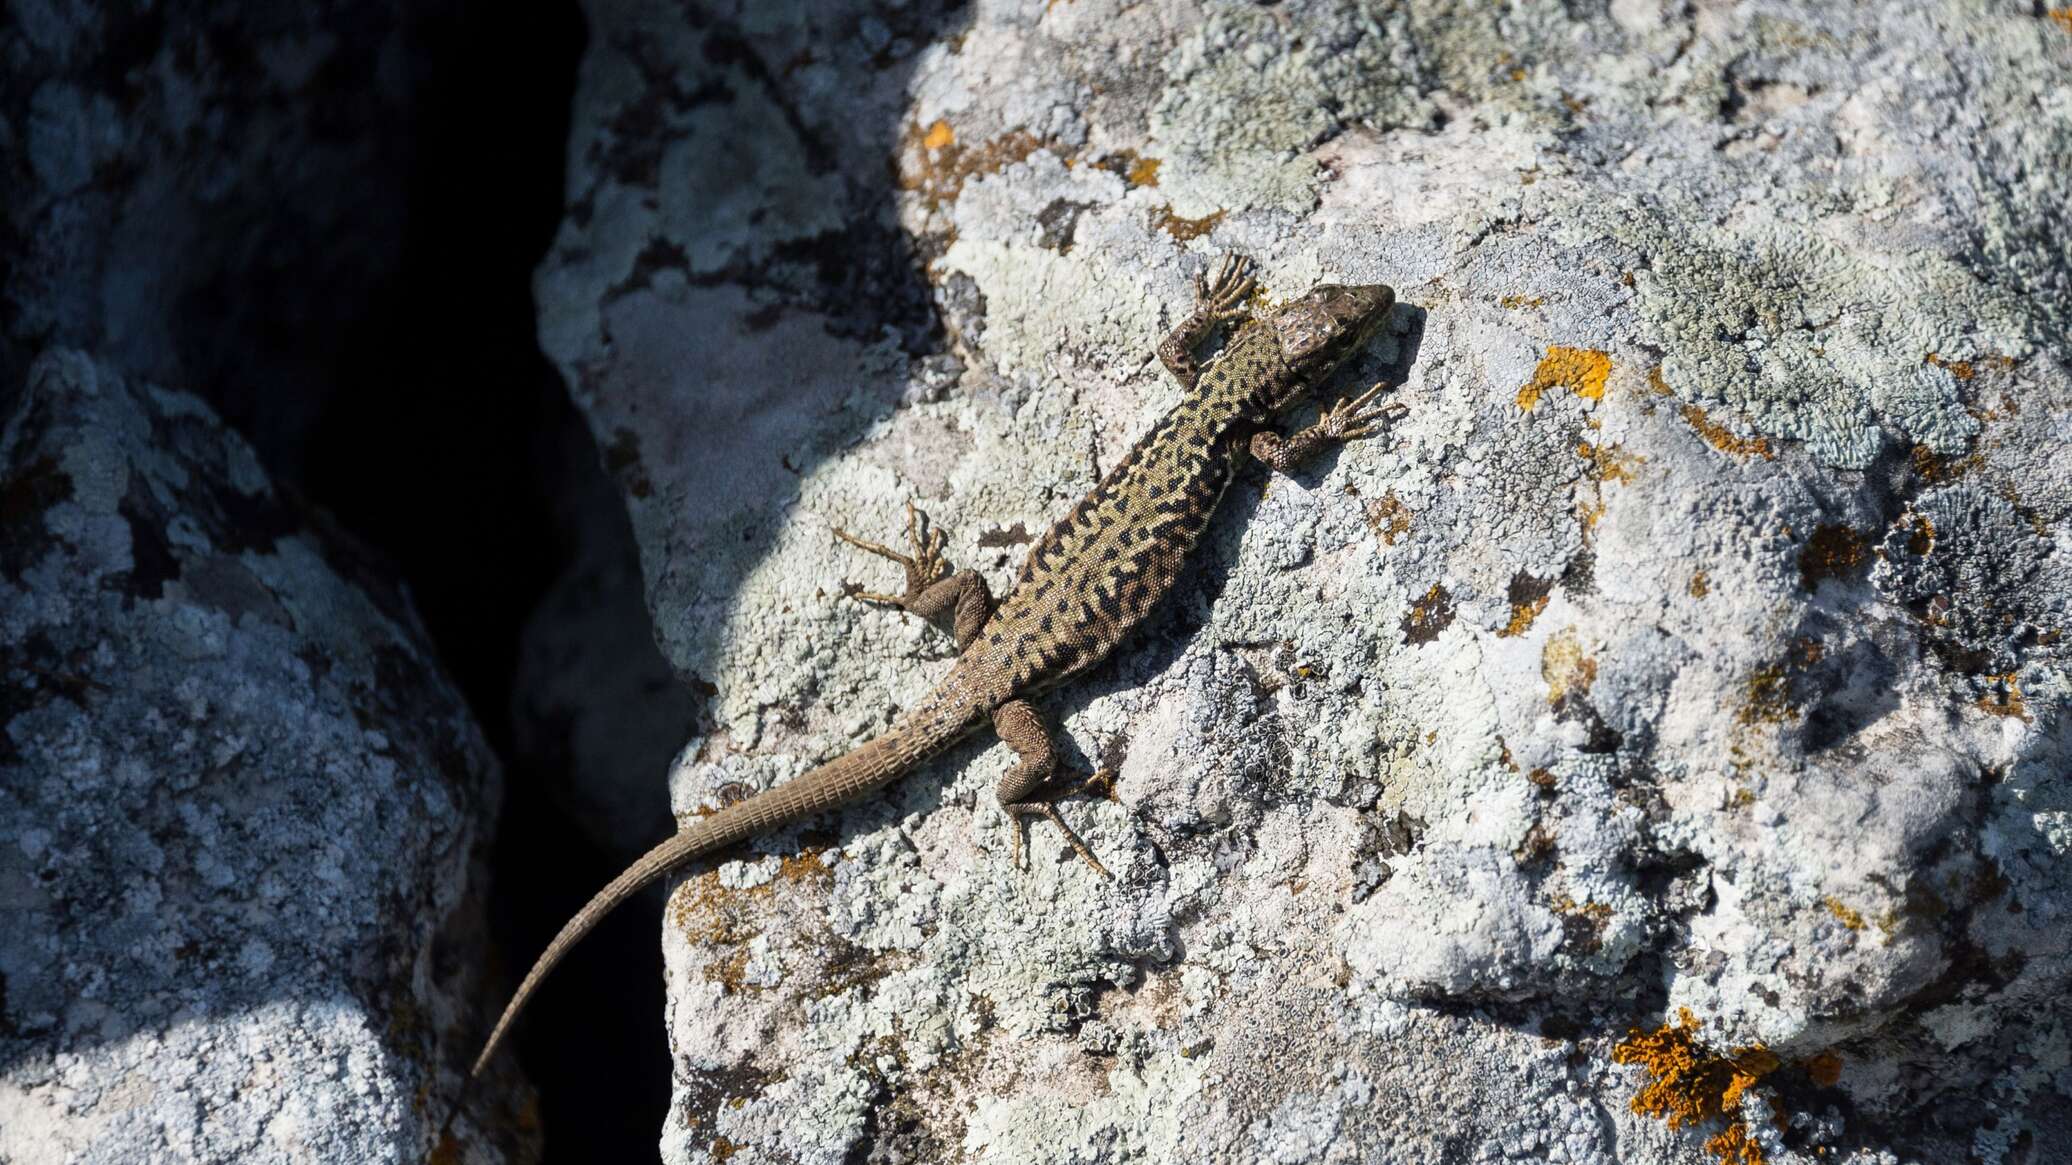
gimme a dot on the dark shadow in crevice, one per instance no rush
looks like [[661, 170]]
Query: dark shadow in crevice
[[451, 453]]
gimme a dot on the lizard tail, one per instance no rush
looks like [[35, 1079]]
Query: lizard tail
[[918, 735]]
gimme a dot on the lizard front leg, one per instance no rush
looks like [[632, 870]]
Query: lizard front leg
[[958, 602], [1018, 724], [1217, 300], [1348, 420]]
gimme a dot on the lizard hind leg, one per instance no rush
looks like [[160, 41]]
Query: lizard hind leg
[[1022, 790], [955, 600]]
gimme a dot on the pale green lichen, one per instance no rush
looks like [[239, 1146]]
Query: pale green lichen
[[1810, 340], [1248, 94]]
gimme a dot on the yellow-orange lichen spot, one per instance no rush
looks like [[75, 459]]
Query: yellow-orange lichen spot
[[1582, 371], [1689, 1084], [1564, 666], [939, 135]]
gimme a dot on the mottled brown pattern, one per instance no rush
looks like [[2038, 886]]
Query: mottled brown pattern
[[1095, 576]]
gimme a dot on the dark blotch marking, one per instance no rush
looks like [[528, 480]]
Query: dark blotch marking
[[24, 497], [1428, 616]]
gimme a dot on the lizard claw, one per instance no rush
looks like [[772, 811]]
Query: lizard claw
[[1101, 783], [1351, 419], [1049, 811], [1223, 295], [924, 568]]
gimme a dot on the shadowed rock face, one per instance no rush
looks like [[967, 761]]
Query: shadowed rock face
[[239, 807], [1696, 642], [210, 195]]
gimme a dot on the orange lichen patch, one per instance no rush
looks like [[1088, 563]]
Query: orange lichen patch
[[2063, 16], [1582, 371], [1843, 914], [1528, 597], [935, 166], [1522, 615], [1936, 468], [1726, 441], [1767, 698], [1833, 552], [1735, 1146], [1389, 518], [1428, 616], [1700, 586], [1689, 1084], [1824, 1069], [1608, 462], [1133, 168], [1564, 666], [1960, 369], [1596, 911], [1186, 229], [1515, 302], [2005, 698]]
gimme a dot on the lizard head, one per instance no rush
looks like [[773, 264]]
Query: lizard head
[[1318, 331]]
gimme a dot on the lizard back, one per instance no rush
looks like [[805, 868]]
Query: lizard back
[[1099, 571]]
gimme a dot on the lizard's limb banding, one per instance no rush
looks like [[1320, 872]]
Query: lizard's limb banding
[[1218, 299], [1348, 420], [1021, 790], [957, 601]]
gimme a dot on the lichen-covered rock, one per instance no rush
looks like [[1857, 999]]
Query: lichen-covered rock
[[1695, 645], [596, 710], [206, 194], [240, 810]]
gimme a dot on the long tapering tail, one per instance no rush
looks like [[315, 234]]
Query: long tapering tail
[[919, 734]]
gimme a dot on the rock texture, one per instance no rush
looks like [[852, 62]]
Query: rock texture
[[240, 810], [593, 702], [1694, 648], [206, 195]]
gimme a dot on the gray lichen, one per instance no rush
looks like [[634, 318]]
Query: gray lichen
[[1695, 642], [237, 807]]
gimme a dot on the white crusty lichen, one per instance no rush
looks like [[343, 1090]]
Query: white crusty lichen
[[1695, 641]]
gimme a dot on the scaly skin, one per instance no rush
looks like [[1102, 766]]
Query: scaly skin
[[1094, 577]]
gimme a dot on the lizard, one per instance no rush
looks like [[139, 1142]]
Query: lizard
[[1093, 577]]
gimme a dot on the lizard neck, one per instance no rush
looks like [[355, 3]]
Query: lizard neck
[[1236, 393]]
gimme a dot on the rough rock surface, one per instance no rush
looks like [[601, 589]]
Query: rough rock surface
[[205, 194], [239, 810], [1695, 645], [593, 701]]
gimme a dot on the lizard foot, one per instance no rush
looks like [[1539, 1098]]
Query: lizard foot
[[1222, 296], [924, 568], [1101, 782], [1353, 418]]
